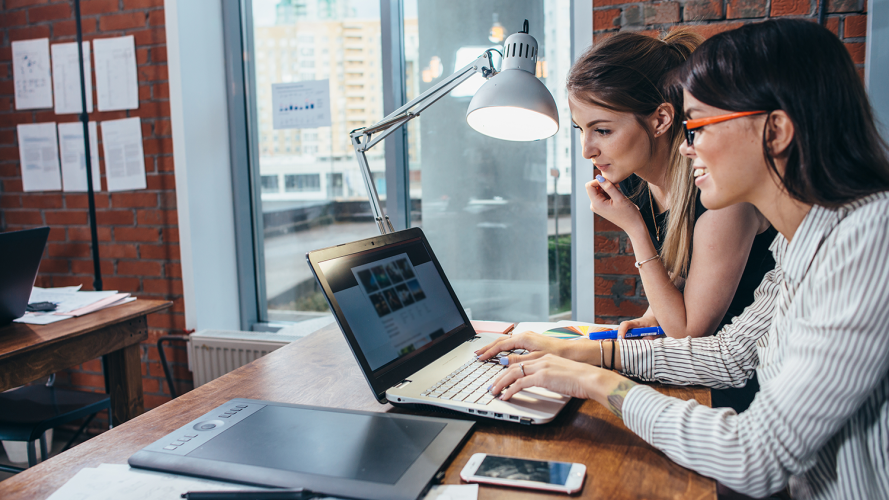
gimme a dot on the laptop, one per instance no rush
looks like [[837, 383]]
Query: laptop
[[20, 253], [410, 335]]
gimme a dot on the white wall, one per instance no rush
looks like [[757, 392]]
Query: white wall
[[199, 113], [876, 69]]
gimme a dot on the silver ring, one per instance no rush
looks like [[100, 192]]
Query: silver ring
[[522, 367]]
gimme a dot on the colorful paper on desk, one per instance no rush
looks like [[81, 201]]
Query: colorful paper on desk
[[572, 332], [492, 326], [562, 329]]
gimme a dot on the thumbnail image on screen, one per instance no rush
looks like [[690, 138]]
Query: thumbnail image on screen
[[392, 286]]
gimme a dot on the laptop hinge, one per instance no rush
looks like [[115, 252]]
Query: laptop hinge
[[401, 384]]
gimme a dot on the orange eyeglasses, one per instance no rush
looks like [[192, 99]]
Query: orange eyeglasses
[[691, 125]]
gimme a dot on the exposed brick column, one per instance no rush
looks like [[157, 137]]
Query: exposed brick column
[[137, 230], [619, 293]]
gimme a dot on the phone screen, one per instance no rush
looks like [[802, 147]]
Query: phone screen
[[524, 470]]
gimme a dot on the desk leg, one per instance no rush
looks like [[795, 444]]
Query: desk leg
[[125, 377]]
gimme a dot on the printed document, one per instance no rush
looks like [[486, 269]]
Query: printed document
[[66, 78], [32, 76], [303, 104], [115, 481], [39, 155], [117, 85], [124, 161], [74, 159]]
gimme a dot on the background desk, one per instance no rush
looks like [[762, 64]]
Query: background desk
[[29, 352], [320, 370]]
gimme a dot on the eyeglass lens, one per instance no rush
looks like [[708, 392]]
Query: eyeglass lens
[[689, 136]]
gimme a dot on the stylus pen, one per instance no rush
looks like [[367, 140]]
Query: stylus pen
[[635, 332], [294, 494]]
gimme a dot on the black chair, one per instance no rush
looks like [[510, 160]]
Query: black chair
[[164, 364], [28, 412]]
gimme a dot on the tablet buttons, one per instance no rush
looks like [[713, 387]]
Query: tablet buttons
[[208, 425], [169, 447]]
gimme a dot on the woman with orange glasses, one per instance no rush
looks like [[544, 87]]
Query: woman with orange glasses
[[699, 268], [778, 118]]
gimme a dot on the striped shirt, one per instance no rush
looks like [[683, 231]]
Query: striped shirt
[[817, 334]]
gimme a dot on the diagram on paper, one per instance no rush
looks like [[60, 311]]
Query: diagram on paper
[[303, 104], [32, 75]]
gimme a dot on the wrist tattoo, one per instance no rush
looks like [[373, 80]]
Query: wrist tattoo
[[616, 398]]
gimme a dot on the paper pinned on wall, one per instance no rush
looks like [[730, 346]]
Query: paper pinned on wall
[[117, 85], [66, 78], [32, 75], [39, 155], [74, 159], [303, 104], [124, 161]]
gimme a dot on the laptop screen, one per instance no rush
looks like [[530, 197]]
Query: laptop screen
[[394, 299]]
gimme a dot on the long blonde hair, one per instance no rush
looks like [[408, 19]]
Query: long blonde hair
[[630, 72]]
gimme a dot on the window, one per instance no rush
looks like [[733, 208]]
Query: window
[[300, 183], [269, 183], [519, 268], [310, 214], [499, 221], [334, 186]]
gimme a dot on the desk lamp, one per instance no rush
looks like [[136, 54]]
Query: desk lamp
[[511, 105]]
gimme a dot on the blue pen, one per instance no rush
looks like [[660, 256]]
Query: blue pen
[[635, 332]]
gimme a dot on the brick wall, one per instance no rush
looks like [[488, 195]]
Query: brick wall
[[619, 293], [138, 230]]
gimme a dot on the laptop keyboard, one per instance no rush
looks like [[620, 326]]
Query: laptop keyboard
[[470, 382]]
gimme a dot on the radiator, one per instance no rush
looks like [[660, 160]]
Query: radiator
[[213, 353]]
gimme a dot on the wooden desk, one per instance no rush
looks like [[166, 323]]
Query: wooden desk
[[29, 352], [320, 370]]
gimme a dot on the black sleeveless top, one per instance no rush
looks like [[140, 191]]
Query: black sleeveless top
[[759, 262]]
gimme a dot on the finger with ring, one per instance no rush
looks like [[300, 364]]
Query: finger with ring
[[522, 367]]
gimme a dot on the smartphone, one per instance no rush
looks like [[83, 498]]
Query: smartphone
[[562, 477]]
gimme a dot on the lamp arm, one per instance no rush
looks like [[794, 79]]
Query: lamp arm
[[365, 138]]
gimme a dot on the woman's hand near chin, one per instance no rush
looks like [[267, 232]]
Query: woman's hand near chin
[[607, 201]]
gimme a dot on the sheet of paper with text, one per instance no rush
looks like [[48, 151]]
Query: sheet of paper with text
[[74, 159], [117, 84], [39, 155], [303, 104], [124, 161], [66, 78], [31, 73]]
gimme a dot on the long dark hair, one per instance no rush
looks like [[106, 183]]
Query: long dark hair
[[630, 73], [797, 66]]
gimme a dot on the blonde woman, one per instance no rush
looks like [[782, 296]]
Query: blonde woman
[[699, 268]]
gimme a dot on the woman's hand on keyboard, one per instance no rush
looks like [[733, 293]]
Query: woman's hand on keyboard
[[571, 378], [536, 344]]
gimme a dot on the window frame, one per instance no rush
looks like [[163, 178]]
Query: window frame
[[244, 150]]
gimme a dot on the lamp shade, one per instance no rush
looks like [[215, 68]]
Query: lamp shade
[[514, 105]]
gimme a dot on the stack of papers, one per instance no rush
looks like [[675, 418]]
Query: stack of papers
[[70, 302], [116, 481]]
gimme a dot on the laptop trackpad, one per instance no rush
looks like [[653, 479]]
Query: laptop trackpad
[[533, 403]]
